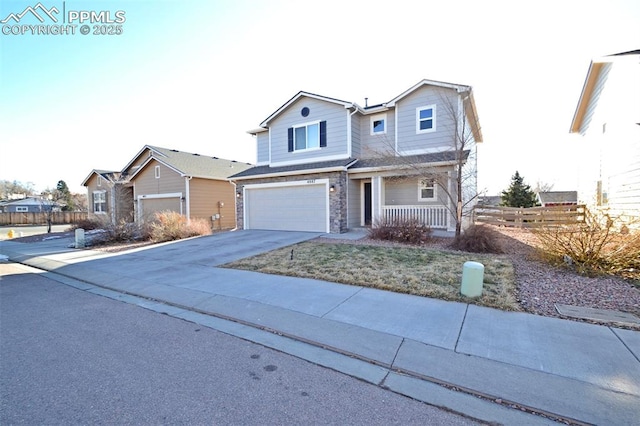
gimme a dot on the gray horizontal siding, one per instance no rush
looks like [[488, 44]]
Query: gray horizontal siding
[[336, 118], [262, 147], [377, 145], [441, 138]]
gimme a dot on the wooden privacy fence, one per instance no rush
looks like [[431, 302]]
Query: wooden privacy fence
[[529, 217], [40, 218]]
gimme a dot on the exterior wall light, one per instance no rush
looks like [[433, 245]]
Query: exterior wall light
[[238, 194], [332, 188]]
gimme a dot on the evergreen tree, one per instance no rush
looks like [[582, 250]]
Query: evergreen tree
[[64, 195], [518, 194]]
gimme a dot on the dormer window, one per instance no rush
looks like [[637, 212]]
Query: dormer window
[[379, 124]]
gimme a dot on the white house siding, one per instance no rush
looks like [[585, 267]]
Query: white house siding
[[410, 142], [263, 147], [594, 101], [612, 139], [375, 146], [335, 116]]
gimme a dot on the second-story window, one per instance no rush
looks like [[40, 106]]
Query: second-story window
[[307, 136], [157, 169], [379, 124], [426, 119]]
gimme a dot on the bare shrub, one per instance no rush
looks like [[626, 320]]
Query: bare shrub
[[478, 239], [599, 245], [409, 231], [169, 226], [89, 224]]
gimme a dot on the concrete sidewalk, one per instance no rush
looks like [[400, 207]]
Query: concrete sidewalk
[[478, 361]]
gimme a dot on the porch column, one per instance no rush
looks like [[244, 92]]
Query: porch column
[[376, 199]]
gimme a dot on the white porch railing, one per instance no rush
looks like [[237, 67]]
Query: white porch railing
[[432, 216]]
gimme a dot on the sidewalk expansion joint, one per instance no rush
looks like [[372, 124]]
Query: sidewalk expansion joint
[[389, 367], [342, 303], [466, 310]]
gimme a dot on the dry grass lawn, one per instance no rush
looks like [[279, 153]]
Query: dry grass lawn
[[419, 271]]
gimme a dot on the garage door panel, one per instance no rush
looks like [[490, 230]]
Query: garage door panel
[[152, 205], [291, 208]]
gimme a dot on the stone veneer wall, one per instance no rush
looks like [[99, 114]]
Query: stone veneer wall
[[337, 199]]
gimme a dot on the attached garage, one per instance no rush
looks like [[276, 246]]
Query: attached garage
[[290, 206]]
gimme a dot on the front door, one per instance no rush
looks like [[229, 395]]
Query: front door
[[367, 203]]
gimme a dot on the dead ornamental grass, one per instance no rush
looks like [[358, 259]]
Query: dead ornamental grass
[[417, 271]]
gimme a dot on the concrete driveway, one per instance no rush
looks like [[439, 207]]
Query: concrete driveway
[[225, 247]]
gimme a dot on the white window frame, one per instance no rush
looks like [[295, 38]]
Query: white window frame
[[99, 180], [157, 172], [378, 117], [306, 132], [102, 203], [22, 209], [421, 186], [433, 119]]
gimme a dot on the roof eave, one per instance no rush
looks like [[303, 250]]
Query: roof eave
[[585, 96]]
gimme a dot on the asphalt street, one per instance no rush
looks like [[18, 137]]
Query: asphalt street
[[70, 357]]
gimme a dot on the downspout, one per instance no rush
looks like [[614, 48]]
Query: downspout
[[187, 198], [349, 130], [235, 204]]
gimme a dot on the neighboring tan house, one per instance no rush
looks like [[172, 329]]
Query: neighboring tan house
[[327, 165], [193, 185], [109, 196], [608, 118], [160, 179], [558, 198]]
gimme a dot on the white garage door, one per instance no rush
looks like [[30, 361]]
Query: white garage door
[[287, 208]]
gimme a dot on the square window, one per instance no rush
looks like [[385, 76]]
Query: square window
[[426, 190], [426, 119], [379, 124]]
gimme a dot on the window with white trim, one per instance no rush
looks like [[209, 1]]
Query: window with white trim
[[99, 180], [378, 124], [307, 136], [426, 190], [426, 119], [22, 209], [157, 172], [100, 202]]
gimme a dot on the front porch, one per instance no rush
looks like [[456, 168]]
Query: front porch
[[379, 199]]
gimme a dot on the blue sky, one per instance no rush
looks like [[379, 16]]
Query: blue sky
[[195, 75]]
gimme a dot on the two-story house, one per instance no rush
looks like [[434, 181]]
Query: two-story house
[[607, 117], [328, 165]]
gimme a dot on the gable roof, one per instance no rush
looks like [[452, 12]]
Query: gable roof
[[596, 68], [308, 95], [109, 175], [190, 164], [469, 102]]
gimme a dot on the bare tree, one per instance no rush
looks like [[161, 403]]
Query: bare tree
[[453, 170]]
